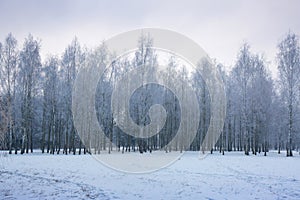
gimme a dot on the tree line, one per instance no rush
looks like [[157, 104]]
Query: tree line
[[262, 113]]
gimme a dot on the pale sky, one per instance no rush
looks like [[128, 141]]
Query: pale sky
[[219, 27]]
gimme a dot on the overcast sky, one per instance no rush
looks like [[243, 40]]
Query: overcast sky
[[219, 27]]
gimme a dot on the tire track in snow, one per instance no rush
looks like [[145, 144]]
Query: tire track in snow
[[263, 182], [58, 189]]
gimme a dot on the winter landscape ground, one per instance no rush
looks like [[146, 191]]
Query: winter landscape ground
[[232, 176]]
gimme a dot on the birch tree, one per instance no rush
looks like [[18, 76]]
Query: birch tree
[[50, 114], [289, 73], [71, 61], [30, 66], [9, 71]]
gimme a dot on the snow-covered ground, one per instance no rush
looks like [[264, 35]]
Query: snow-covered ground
[[233, 176]]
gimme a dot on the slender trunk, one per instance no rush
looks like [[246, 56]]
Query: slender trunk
[[289, 143], [10, 138], [48, 139], [44, 133]]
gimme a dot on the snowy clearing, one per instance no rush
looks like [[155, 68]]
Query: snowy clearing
[[233, 176]]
